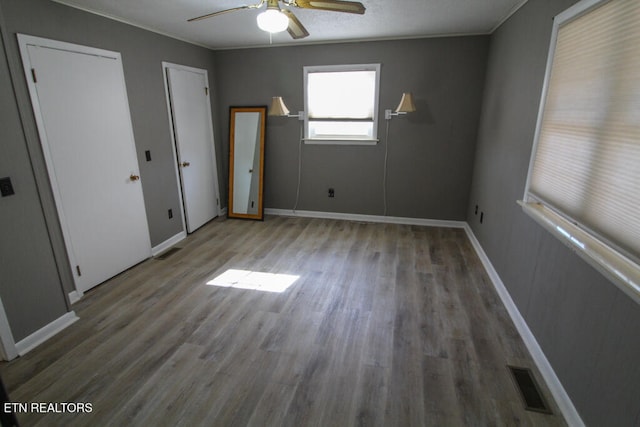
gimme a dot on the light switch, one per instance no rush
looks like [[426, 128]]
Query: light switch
[[6, 188]]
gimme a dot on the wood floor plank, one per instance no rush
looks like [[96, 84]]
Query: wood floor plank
[[152, 402], [271, 409], [406, 369], [369, 401], [441, 406], [384, 325]]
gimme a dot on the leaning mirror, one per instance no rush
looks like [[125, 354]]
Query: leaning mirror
[[246, 161]]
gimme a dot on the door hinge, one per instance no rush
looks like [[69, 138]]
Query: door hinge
[[206, 91], [78, 270], [33, 75]]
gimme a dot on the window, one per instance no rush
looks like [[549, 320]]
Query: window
[[584, 178], [341, 102]]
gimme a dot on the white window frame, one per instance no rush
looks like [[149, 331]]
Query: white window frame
[[622, 270], [342, 140]]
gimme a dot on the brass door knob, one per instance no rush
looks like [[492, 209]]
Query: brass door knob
[[185, 164], [134, 177]]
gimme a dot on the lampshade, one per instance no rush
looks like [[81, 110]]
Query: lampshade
[[406, 104], [277, 107], [273, 21]]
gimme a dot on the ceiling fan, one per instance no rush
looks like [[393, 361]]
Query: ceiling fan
[[274, 19]]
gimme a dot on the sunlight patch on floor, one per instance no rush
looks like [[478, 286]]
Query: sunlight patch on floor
[[254, 280]]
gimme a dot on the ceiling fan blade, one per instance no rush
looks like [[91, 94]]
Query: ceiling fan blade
[[296, 29], [221, 12], [333, 5]]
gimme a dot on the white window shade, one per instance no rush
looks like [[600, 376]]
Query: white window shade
[[587, 156], [342, 95]]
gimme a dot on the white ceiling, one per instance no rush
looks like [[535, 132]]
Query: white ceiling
[[383, 19]]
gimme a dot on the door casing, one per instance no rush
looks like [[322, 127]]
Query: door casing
[[166, 66]]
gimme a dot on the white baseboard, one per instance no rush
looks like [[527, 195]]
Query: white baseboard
[[367, 218], [571, 415], [156, 250], [75, 296], [41, 335]]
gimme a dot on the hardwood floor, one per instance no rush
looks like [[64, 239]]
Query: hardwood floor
[[386, 325]]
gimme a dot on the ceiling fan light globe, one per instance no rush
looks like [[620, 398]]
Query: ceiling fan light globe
[[272, 21]]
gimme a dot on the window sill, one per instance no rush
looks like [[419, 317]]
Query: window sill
[[623, 272], [319, 141]]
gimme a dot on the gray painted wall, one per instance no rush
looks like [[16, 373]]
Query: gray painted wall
[[430, 151], [588, 329], [31, 238], [30, 286]]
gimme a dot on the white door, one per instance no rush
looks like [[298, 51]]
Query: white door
[[188, 90], [81, 108]]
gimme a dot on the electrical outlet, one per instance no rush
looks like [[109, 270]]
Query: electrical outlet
[[170, 213], [147, 155], [476, 212], [332, 192]]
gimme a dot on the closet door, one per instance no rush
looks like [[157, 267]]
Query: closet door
[[188, 92], [81, 108]]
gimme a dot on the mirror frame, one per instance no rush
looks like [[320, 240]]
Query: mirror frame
[[232, 134]]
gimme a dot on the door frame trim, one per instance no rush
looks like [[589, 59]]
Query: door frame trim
[[165, 73], [8, 350]]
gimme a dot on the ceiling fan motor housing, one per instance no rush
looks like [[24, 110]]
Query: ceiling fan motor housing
[[275, 20]]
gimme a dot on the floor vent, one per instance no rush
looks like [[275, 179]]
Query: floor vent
[[168, 253], [529, 390]]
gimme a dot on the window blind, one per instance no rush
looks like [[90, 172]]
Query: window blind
[[587, 156], [342, 95]]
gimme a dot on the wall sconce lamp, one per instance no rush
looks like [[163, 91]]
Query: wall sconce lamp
[[278, 108], [406, 106]]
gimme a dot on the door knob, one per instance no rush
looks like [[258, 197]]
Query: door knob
[[134, 177], [185, 164]]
